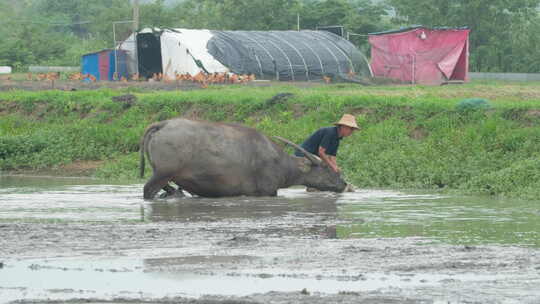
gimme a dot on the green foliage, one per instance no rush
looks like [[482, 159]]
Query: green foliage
[[30, 43], [521, 178], [240, 14], [122, 168], [408, 137], [84, 19], [11, 146], [52, 32], [359, 16]]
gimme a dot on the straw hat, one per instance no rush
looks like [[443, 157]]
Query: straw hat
[[348, 120]]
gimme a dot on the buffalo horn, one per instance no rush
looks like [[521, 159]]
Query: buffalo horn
[[314, 159]]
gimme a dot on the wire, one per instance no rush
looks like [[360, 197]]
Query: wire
[[354, 34]]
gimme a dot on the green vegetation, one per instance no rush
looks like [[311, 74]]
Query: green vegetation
[[411, 136], [52, 32]]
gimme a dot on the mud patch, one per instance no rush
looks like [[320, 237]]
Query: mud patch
[[534, 113], [82, 169], [360, 111], [63, 279], [194, 112], [205, 260], [239, 241], [418, 133]]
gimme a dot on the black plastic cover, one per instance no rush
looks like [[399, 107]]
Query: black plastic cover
[[289, 55]]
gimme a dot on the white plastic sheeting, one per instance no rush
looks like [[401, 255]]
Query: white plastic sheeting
[[5, 70], [280, 55], [181, 48]]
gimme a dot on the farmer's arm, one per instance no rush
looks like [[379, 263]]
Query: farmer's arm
[[329, 159], [333, 159]]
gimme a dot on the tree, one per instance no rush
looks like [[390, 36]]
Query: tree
[[358, 17], [47, 32], [157, 14], [325, 13], [85, 19], [28, 44], [240, 14]]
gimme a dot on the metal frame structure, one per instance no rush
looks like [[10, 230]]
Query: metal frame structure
[[284, 54], [349, 34], [265, 50], [297, 52], [341, 51], [314, 53], [117, 44], [311, 33], [325, 28], [332, 49]]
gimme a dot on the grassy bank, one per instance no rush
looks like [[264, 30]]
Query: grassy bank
[[411, 137]]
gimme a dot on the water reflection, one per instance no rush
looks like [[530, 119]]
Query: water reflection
[[39, 199], [30, 181], [452, 219], [202, 209], [363, 214]]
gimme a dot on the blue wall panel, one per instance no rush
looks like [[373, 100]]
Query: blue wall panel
[[90, 65]]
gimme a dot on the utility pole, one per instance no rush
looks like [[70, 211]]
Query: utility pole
[[135, 15], [135, 30]]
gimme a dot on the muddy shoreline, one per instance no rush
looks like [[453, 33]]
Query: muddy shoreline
[[292, 249], [310, 256]]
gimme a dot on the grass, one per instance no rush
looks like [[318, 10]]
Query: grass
[[411, 136]]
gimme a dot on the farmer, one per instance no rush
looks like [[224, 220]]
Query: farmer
[[325, 141]]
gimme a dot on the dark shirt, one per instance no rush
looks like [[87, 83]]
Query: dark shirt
[[327, 138]]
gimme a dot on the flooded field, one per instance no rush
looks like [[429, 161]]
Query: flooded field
[[81, 241]]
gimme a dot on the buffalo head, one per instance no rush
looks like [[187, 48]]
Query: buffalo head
[[322, 177], [316, 173]]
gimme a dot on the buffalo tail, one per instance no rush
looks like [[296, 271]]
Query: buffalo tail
[[153, 128]]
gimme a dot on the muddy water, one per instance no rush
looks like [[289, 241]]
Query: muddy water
[[72, 239]]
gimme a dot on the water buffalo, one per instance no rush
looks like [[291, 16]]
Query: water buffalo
[[220, 159]]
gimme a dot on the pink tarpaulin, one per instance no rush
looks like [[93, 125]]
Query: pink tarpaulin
[[421, 55]]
